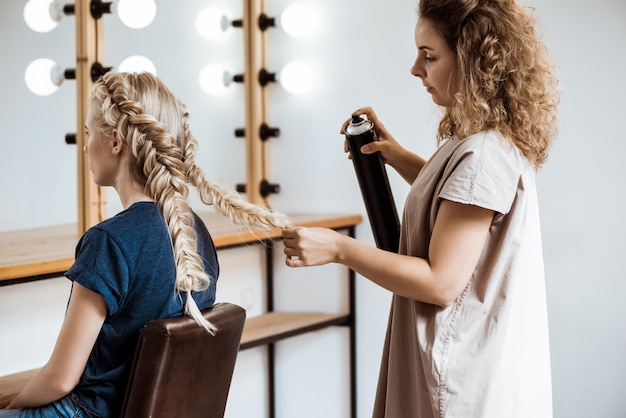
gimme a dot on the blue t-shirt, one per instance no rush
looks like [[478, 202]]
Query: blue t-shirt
[[128, 259]]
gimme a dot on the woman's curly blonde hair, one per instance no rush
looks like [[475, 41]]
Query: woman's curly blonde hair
[[504, 78], [153, 124]]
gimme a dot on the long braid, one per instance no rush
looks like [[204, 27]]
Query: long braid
[[226, 202], [167, 182]]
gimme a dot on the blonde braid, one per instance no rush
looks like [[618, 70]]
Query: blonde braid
[[226, 202], [168, 184]]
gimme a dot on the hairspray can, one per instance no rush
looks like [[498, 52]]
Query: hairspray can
[[374, 183]]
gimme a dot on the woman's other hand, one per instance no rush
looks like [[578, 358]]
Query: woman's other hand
[[386, 144], [310, 246], [405, 162]]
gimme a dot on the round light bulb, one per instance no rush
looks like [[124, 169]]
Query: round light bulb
[[212, 80], [211, 23], [296, 77], [38, 17], [136, 14], [298, 20], [38, 77], [137, 64]]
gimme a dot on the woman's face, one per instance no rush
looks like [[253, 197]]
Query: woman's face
[[435, 63], [101, 153]]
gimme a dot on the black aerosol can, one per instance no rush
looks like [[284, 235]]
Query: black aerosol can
[[374, 183]]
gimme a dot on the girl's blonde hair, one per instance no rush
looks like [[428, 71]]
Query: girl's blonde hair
[[153, 124], [504, 78]]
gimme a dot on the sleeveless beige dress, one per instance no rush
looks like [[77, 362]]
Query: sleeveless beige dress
[[487, 355]]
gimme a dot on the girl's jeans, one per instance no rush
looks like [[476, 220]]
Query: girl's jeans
[[66, 407]]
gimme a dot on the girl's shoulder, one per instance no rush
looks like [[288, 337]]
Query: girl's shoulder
[[135, 224]]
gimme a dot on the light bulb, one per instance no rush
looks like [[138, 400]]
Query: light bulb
[[213, 80], [137, 64], [136, 14], [296, 77], [39, 76], [37, 15], [298, 20], [211, 23]]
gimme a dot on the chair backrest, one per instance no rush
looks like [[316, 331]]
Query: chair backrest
[[180, 370]]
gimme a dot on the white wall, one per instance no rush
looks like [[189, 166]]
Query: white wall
[[582, 198], [362, 55]]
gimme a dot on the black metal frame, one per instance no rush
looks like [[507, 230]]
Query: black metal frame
[[348, 320]]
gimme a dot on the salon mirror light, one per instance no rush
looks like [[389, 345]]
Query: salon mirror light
[[137, 64], [298, 20], [136, 14], [43, 76], [296, 78], [44, 15], [214, 80], [211, 23]]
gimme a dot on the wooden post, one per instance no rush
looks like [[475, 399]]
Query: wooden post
[[89, 49], [256, 101]]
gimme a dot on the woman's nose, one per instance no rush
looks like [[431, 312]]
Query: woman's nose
[[417, 70]]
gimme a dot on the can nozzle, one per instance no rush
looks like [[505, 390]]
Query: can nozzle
[[356, 119]]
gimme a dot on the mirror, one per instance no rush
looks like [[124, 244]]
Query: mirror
[[37, 167]]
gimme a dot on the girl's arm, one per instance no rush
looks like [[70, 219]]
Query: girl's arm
[[456, 244], [6, 398], [83, 320]]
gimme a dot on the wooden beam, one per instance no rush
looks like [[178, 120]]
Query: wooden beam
[[256, 102], [89, 49]]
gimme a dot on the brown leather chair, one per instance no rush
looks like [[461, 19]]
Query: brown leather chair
[[182, 371]]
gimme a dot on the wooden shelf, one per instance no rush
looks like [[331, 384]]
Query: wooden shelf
[[49, 251], [275, 326], [36, 252]]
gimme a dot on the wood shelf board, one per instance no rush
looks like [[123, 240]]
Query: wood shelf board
[[275, 326], [50, 250], [38, 251]]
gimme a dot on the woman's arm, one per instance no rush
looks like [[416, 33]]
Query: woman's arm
[[83, 320], [405, 162], [455, 247]]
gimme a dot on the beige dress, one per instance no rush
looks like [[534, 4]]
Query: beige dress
[[486, 355]]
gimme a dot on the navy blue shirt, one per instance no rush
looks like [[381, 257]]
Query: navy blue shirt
[[128, 259]]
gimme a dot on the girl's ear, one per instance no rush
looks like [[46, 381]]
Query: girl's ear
[[116, 144]]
